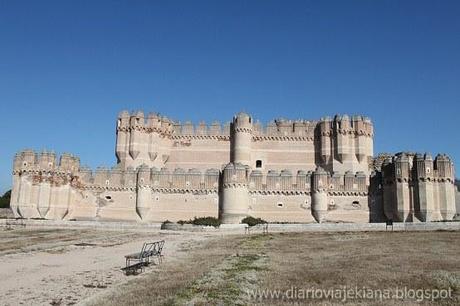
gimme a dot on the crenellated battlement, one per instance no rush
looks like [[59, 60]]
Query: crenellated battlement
[[303, 182], [279, 128], [158, 179], [30, 161], [408, 166], [155, 123], [344, 124]]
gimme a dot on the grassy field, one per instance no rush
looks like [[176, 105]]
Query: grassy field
[[304, 268]]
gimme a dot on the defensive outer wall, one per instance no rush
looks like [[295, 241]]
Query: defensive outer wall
[[287, 171]]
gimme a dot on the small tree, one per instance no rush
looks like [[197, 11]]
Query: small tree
[[251, 221]]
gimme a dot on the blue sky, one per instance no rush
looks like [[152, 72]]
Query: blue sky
[[68, 67]]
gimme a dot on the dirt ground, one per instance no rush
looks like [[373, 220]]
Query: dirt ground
[[65, 267]]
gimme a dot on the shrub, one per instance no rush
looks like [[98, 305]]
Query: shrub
[[251, 221], [164, 223], [207, 221], [204, 221]]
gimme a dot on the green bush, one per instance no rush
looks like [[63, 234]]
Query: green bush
[[5, 200], [207, 221], [251, 221]]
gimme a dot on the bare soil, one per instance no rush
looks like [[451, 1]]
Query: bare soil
[[64, 267]]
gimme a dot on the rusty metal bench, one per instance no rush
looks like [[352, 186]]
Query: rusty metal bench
[[137, 261]]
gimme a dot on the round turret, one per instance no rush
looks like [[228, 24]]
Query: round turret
[[319, 194], [241, 139], [235, 198], [144, 196]]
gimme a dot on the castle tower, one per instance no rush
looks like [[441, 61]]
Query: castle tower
[[342, 141], [326, 132], [122, 145], [319, 197], [352, 143], [424, 198], [17, 165], [235, 196], [376, 213], [369, 133], [144, 193], [137, 123], [446, 187], [46, 163], [403, 198], [27, 194], [241, 139], [361, 139], [389, 190], [61, 191], [154, 123]]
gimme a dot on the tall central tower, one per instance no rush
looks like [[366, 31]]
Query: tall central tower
[[241, 139], [235, 197]]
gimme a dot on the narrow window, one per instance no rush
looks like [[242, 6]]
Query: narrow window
[[258, 163]]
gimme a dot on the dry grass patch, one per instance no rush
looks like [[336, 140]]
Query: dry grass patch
[[228, 270], [174, 280], [380, 260]]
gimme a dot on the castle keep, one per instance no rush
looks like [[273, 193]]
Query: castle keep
[[286, 171]]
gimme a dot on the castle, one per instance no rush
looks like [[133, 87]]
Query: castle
[[286, 171]]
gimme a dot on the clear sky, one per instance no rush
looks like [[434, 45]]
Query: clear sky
[[68, 67]]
